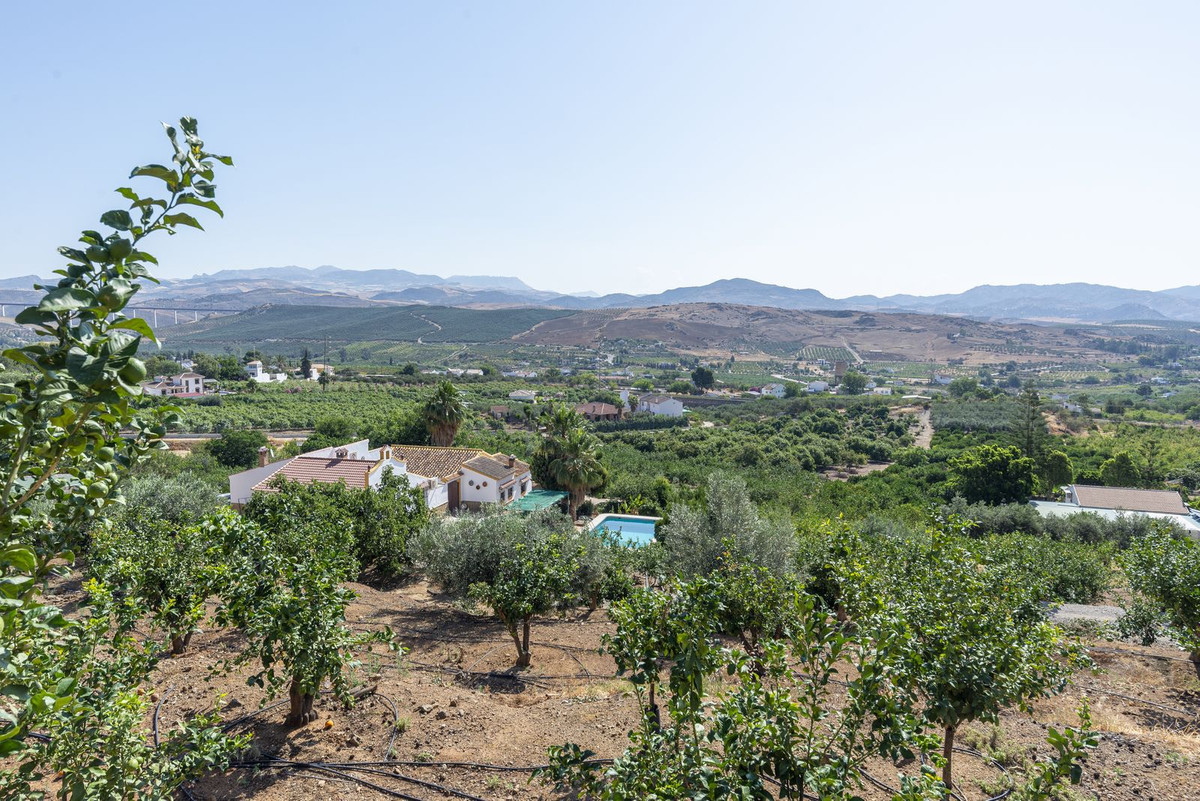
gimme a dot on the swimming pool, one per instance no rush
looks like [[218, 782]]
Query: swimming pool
[[634, 530]]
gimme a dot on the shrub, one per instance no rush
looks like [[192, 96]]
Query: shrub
[[696, 539], [238, 449]]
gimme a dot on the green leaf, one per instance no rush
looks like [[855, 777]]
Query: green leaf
[[84, 367], [182, 219], [211, 205], [226, 160], [33, 316], [66, 299], [137, 324], [73, 254], [165, 174], [117, 218]]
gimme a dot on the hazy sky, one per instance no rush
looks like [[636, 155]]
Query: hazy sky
[[628, 146]]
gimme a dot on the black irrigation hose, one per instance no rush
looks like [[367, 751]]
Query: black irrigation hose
[[1128, 652], [1154, 704], [342, 771], [275, 762], [458, 764]]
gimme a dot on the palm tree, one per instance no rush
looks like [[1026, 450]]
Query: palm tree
[[443, 412], [560, 420], [576, 465]]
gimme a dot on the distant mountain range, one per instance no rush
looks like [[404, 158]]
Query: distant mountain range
[[333, 286]]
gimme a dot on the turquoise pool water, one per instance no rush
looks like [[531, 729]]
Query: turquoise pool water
[[632, 530]]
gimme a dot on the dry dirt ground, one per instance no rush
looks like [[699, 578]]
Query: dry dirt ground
[[452, 698]]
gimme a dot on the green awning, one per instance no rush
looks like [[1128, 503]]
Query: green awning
[[537, 500]]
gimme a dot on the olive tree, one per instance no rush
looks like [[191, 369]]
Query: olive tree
[[696, 539], [519, 566]]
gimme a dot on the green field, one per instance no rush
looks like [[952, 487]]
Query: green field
[[811, 353], [311, 324]]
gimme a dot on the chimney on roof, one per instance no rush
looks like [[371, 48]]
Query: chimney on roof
[[340, 453], [264, 456], [512, 460]]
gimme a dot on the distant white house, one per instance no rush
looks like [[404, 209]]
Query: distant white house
[[942, 380], [181, 385], [523, 395], [256, 373], [773, 390], [663, 405], [881, 390], [817, 386]]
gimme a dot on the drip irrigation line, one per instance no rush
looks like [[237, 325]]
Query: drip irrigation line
[[344, 770], [395, 722], [457, 764], [158, 707], [1128, 652], [283, 764], [1154, 704]]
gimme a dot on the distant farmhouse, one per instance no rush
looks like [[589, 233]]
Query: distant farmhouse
[[663, 405], [177, 386], [598, 412], [1113, 502], [256, 373], [523, 395], [451, 478]]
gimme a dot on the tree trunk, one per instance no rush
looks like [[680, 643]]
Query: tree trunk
[[301, 711], [526, 657], [179, 643], [655, 715], [948, 755]]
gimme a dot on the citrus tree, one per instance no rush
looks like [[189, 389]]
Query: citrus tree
[[163, 567], [70, 430], [976, 640], [1164, 569], [775, 732], [290, 604]]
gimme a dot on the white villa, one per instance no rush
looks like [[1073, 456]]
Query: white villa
[[451, 478], [663, 405], [773, 390], [523, 395], [180, 385]]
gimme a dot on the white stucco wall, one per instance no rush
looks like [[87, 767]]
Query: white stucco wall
[[240, 484]]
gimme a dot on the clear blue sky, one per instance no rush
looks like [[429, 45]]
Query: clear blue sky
[[629, 146]]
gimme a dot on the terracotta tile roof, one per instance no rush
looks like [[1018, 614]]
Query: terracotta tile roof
[[431, 462], [496, 466], [596, 409], [307, 469], [1129, 499]]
